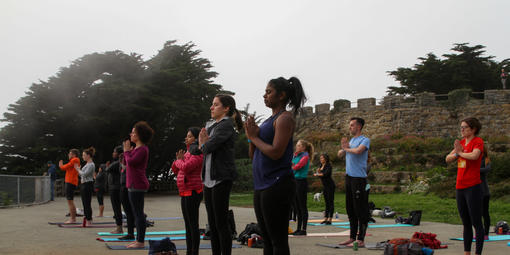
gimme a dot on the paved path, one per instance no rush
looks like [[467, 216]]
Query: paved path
[[26, 231]]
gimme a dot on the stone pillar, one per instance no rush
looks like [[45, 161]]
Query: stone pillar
[[496, 96], [322, 108], [425, 99], [366, 103], [392, 102], [306, 111], [341, 104]]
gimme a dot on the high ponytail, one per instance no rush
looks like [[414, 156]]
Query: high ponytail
[[228, 101], [91, 151], [308, 148], [295, 95]]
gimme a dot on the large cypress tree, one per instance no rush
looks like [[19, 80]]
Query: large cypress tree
[[97, 99]]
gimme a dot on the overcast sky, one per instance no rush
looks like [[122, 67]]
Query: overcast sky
[[339, 49]]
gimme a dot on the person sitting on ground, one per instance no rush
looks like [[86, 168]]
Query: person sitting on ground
[[71, 181]]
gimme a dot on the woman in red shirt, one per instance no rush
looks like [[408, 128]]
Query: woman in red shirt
[[188, 168], [468, 153]]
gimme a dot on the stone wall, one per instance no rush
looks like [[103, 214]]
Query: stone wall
[[421, 115]]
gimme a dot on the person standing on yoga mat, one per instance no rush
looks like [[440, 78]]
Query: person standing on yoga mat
[[87, 183], [356, 188], [114, 186], [218, 172], [324, 172], [99, 187], [468, 153], [136, 160], [124, 200], [71, 181], [271, 150], [300, 166], [188, 168], [485, 168]]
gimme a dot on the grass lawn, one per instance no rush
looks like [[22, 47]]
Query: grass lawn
[[434, 208]]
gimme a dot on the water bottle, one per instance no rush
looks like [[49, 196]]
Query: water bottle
[[355, 246], [336, 215]]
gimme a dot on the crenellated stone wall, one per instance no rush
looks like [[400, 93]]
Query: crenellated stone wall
[[422, 115]]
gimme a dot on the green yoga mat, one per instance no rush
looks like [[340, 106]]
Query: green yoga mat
[[153, 233], [381, 226], [178, 247], [491, 238]]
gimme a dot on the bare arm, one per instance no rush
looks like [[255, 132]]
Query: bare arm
[[341, 153], [471, 155], [284, 128], [252, 150], [451, 157], [358, 150]]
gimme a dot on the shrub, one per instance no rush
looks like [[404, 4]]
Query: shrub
[[499, 168], [244, 181]]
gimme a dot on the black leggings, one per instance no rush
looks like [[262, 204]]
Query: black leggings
[[87, 189], [301, 200], [189, 207], [356, 203], [130, 217], [469, 204], [216, 204], [117, 211], [271, 209], [100, 196], [485, 214], [137, 201], [329, 197]]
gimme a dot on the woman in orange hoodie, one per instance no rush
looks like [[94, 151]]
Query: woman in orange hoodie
[[71, 181]]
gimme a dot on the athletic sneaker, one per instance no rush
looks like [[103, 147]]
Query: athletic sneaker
[[300, 233], [328, 222]]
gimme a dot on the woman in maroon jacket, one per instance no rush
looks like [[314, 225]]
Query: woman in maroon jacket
[[136, 160], [188, 168]]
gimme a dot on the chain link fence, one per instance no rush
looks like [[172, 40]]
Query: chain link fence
[[16, 190]]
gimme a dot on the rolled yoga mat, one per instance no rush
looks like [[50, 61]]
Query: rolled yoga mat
[[178, 247], [152, 233]]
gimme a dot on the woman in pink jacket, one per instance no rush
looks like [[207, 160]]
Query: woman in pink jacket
[[188, 168]]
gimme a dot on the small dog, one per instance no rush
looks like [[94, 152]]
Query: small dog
[[317, 196]]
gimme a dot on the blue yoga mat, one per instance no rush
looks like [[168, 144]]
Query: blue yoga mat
[[508, 244], [149, 233], [381, 226], [173, 238], [178, 247], [491, 238]]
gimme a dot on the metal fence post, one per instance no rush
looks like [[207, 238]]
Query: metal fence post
[[19, 191]]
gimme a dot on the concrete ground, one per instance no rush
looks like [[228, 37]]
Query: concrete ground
[[26, 230]]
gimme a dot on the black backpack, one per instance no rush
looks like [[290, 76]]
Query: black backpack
[[251, 228]]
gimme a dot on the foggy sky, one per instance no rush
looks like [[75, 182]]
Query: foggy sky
[[339, 49]]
